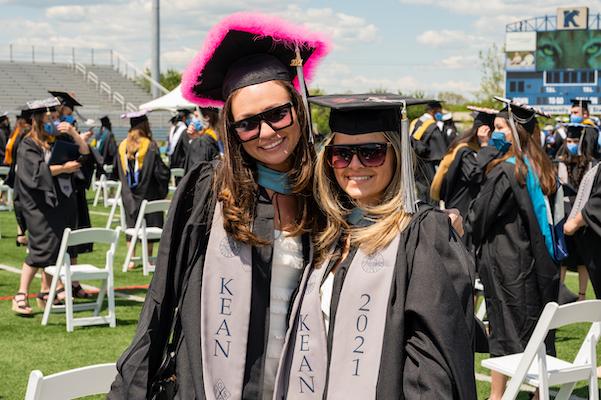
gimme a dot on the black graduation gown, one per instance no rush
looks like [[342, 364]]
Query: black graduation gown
[[464, 177], [518, 274], [153, 185], [108, 151], [588, 238], [46, 209], [177, 280], [203, 148], [590, 139], [429, 331], [433, 144], [4, 136], [178, 158]]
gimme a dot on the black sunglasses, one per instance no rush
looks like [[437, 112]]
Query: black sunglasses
[[370, 154], [277, 118]]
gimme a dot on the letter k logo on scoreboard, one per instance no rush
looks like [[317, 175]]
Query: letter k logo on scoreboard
[[569, 18]]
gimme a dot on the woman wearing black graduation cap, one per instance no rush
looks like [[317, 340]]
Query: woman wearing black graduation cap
[[236, 240], [386, 310], [573, 161], [516, 246], [47, 195], [143, 175], [461, 171], [106, 145]]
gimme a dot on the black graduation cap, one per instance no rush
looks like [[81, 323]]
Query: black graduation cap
[[356, 114], [66, 99], [135, 117], [41, 106], [574, 131], [484, 116], [105, 121], [3, 116], [583, 103], [246, 49], [523, 114], [431, 104]]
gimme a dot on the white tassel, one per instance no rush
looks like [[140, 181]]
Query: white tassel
[[407, 172]]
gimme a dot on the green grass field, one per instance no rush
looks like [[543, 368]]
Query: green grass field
[[25, 345]]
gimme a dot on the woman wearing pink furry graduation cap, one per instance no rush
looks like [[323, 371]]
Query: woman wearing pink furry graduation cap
[[237, 236]]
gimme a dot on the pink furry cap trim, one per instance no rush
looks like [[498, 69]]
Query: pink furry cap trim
[[263, 26]]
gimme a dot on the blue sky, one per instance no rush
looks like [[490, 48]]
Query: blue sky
[[392, 44]]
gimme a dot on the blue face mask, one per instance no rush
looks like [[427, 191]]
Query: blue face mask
[[438, 116], [572, 148], [198, 125], [576, 119], [68, 118], [497, 139], [50, 129], [188, 121]]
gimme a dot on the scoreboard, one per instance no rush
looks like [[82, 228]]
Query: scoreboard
[[552, 59]]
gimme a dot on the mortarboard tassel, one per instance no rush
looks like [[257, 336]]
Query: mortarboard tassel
[[407, 172], [298, 63], [514, 131]]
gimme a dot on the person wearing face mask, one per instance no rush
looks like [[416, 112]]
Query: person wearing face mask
[[207, 144], [4, 135], [579, 114], [430, 145], [461, 172], [46, 193], [573, 162], [178, 141], [237, 238], [517, 247], [385, 311]]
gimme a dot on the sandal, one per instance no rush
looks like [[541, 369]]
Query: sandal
[[42, 298], [79, 292], [21, 304]]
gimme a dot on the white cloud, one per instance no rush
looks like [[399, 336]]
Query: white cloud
[[459, 61]]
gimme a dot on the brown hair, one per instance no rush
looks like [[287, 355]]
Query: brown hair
[[144, 127], [132, 142], [468, 137], [37, 132], [532, 149], [235, 180]]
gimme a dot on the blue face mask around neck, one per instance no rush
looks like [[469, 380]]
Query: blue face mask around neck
[[50, 129], [68, 118], [438, 116], [498, 140], [273, 180], [572, 148]]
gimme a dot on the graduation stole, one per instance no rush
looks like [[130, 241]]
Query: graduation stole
[[357, 340], [443, 168], [584, 191], [211, 133], [8, 156], [139, 156], [417, 135], [225, 312]]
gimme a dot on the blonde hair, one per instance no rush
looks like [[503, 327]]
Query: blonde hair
[[388, 216], [132, 142]]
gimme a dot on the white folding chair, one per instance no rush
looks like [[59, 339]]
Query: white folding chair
[[97, 186], [71, 384], [79, 272], [143, 233], [175, 173], [536, 368], [115, 202]]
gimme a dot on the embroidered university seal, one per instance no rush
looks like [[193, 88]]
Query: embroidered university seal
[[221, 392], [229, 248], [373, 263]]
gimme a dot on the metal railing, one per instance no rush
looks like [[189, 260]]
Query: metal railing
[[55, 54], [130, 71], [92, 77], [547, 23]]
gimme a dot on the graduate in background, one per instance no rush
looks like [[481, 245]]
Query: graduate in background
[[22, 127], [462, 170], [429, 142], [105, 143], [239, 227], [516, 252], [579, 114], [206, 144], [178, 141], [46, 192], [142, 173], [573, 162], [4, 135], [386, 310], [584, 225]]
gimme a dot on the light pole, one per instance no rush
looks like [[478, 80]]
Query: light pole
[[155, 64]]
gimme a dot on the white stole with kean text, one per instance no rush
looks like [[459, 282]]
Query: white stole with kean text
[[357, 337], [225, 312]]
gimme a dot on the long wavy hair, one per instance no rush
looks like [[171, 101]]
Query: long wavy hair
[[236, 179], [540, 162], [37, 132], [389, 216], [468, 137]]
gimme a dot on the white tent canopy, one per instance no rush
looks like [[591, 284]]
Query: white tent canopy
[[172, 101]]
